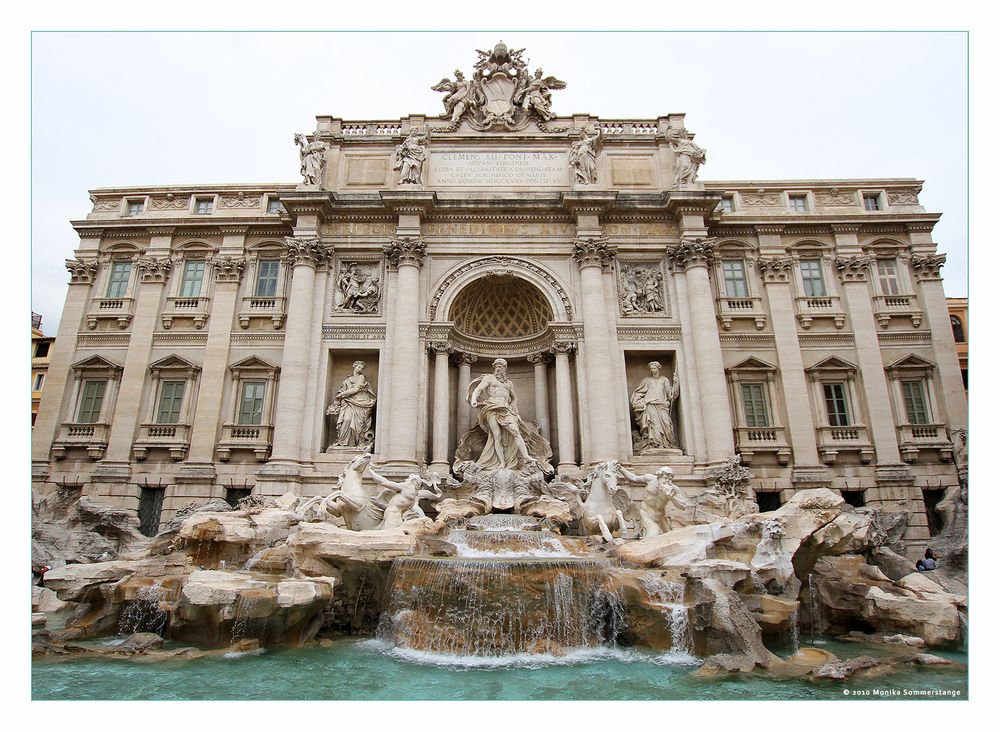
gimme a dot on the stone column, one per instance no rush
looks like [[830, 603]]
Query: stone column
[[152, 271], [442, 413], [406, 254], [542, 392], [927, 269], [564, 408], [594, 257], [463, 412], [690, 388], [854, 272], [693, 256], [82, 272], [304, 255], [228, 271], [776, 272]]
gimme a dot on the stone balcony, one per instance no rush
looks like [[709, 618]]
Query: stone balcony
[[173, 437], [252, 437], [89, 436], [192, 308], [736, 308], [263, 308], [916, 437], [753, 440], [827, 306], [889, 306], [110, 308], [852, 438]]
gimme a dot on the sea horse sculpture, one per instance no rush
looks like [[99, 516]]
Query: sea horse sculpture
[[604, 508], [350, 501]]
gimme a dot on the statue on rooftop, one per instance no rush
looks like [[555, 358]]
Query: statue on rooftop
[[408, 157], [688, 157], [583, 155], [312, 156]]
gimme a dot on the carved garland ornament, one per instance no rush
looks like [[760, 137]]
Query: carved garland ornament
[[505, 265]]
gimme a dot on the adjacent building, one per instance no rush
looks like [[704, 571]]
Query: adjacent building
[[958, 312], [207, 329], [40, 347]]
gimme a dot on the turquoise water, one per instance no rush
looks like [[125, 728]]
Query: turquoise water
[[371, 670]]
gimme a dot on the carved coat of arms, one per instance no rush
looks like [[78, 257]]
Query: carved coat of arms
[[502, 93]]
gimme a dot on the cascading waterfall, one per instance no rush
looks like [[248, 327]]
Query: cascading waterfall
[[670, 597], [815, 613], [502, 522], [499, 607], [509, 543], [794, 630], [246, 624], [144, 615]]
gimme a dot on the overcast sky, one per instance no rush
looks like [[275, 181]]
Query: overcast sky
[[133, 109]]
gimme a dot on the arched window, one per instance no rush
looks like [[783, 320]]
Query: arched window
[[957, 330]]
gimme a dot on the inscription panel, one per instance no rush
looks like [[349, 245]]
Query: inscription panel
[[499, 169]]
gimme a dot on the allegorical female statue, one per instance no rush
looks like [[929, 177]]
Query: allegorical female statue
[[653, 404], [312, 158], [408, 157], [352, 406], [583, 155]]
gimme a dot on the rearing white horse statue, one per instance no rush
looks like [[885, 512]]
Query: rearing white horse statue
[[603, 510], [350, 501]]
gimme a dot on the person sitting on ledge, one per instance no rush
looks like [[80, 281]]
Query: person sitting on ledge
[[928, 563]]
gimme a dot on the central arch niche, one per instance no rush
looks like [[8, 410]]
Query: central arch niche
[[500, 307]]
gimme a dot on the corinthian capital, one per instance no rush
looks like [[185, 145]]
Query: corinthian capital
[[927, 267], [594, 252], [692, 252], [775, 269], [81, 270], [153, 269], [310, 252], [854, 269], [406, 250], [228, 269]]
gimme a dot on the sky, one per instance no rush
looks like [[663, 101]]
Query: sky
[[131, 109]]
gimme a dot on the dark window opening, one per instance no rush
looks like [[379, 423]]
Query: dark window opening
[[150, 507], [42, 349], [965, 378], [854, 498], [932, 497], [235, 495], [957, 330], [768, 501]]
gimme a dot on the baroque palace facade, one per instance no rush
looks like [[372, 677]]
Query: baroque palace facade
[[210, 334]]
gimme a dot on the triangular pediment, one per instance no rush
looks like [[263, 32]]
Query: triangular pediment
[[911, 361], [753, 364], [96, 362], [174, 361], [254, 362], [833, 363]]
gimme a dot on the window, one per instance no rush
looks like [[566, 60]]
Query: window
[[888, 281], [735, 278], [37, 383], [267, 278], [235, 495], [274, 206], [194, 272], [965, 378], [932, 497], [853, 498], [755, 405], [836, 404], [42, 349], [91, 399], [726, 205], [134, 208], [252, 402], [798, 204], [171, 397], [118, 281], [150, 508], [768, 500], [812, 278], [915, 402], [203, 205], [871, 202], [957, 330]]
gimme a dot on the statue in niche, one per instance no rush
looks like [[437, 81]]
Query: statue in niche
[[312, 157], [408, 157], [352, 407], [358, 290], [494, 396], [660, 495], [688, 157], [640, 290], [583, 155], [653, 403], [461, 94], [537, 95], [400, 502]]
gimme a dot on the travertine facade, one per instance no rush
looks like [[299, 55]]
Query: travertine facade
[[207, 330]]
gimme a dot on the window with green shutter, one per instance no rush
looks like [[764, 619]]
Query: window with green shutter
[[91, 399], [194, 273], [916, 403], [735, 277], [267, 278], [755, 405], [118, 280], [812, 278], [171, 397], [836, 404], [252, 402]]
